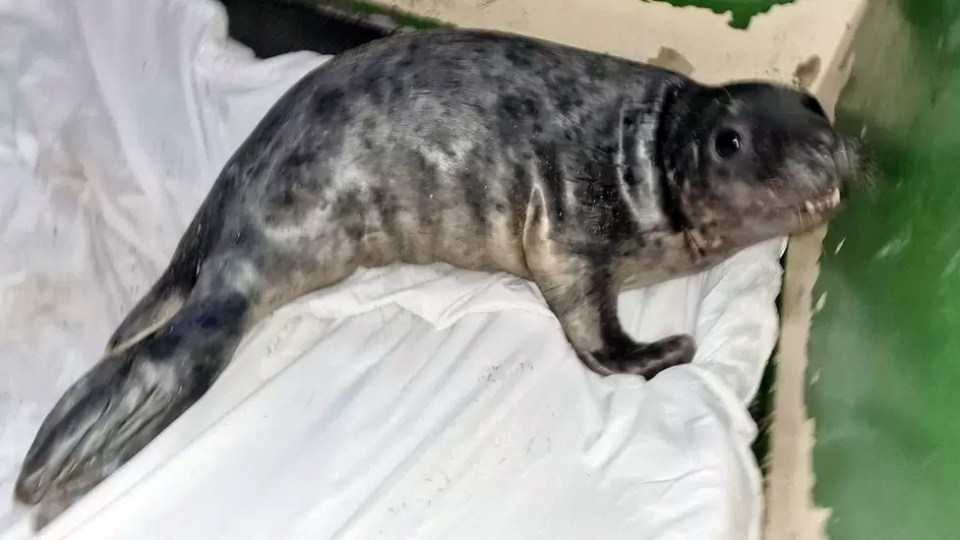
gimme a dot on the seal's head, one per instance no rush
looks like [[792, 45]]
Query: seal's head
[[751, 161]]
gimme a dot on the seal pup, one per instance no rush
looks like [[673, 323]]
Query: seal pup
[[582, 172]]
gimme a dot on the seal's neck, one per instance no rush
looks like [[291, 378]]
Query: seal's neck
[[678, 124], [645, 136]]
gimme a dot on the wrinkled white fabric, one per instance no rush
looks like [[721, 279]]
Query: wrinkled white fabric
[[407, 402]]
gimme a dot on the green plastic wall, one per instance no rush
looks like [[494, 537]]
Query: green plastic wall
[[741, 11], [885, 347]]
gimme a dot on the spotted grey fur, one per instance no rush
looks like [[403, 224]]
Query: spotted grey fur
[[583, 172]]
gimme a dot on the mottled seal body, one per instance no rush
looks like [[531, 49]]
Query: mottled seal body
[[582, 172]]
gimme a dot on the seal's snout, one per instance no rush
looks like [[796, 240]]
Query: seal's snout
[[833, 164], [832, 147], [832, 158], [853, 170]]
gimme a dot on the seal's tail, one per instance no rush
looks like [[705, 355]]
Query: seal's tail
[[166, 297]]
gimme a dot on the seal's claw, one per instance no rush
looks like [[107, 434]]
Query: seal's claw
[[101, 421], [649, 359], [58, 501]]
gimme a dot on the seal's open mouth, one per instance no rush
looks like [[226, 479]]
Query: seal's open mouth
[[819, 205]]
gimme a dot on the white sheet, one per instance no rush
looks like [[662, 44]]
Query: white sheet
[[425, 403]]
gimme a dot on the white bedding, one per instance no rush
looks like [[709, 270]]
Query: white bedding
[[409, 402]]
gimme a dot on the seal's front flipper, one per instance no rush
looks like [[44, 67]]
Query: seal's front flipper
[[646, 359], [126, 400], [586, 304]]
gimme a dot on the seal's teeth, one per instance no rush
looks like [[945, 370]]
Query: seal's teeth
[[696, 238], [810, 207], [835, 196]]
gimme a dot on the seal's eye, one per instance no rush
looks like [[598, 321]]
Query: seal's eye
[[727, 143]]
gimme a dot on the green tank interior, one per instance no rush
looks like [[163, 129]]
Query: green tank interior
[[885, 348], [741, 11]]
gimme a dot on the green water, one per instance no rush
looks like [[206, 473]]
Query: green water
[[741, 11], [885, 350]]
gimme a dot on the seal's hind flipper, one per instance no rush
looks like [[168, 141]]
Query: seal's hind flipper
[[158, 306], [127, 399], [167, 296]]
